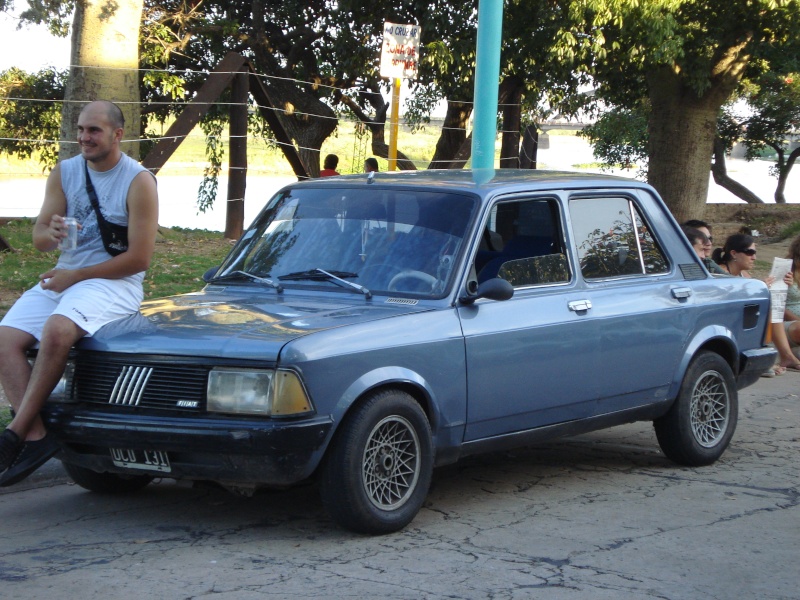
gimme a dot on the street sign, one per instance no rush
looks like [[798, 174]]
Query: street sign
[[400, 51]]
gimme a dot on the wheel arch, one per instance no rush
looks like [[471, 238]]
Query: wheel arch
[[398, 378], [714, 338]]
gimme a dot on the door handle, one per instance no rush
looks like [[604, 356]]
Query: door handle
[[580, 305], [681, 293]]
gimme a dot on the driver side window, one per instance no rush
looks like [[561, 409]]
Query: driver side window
[[522, 243]]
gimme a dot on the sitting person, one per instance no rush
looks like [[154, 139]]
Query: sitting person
[[699, 234], [791, 319], [737, 257]]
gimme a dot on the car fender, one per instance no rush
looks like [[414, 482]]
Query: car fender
[[719, 336], [388, 376]]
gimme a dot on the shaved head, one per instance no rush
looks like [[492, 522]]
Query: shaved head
[[112, 111]]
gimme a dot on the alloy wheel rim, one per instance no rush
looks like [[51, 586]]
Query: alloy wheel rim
[[391, 465], [710, 409]]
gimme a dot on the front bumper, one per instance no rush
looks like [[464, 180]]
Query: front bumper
[[226, 449], [752, 363]]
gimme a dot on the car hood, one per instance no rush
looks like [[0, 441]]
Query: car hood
[[241, 326]]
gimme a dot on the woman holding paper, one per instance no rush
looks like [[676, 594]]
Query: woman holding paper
[[737, 257]]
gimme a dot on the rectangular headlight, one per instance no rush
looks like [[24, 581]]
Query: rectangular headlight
[[257, 392], [240, 391]]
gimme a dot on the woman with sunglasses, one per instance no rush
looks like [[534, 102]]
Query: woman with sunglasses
[[737, 257]]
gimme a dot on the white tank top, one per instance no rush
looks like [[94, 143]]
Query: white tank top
[[112, 192]]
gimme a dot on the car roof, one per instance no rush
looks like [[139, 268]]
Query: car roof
[[484, 182]]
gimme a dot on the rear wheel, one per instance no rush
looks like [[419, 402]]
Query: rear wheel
[[378, 470], [700, 424], [106, 483]]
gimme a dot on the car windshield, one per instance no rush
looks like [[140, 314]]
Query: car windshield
[[398, 242]]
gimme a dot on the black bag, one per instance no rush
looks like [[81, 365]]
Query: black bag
[[115, 237]]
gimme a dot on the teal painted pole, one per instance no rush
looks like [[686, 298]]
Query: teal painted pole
[[487, 76]]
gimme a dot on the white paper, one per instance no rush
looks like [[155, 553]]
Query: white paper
[[778, 290]]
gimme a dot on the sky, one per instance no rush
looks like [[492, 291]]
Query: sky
[[31, 48]]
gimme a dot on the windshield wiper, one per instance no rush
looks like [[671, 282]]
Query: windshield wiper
[[246, 275], [323, 275], [317, 274]]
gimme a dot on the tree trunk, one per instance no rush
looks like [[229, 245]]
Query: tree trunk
[[720, 172], [530, 148], [376, 126], [308, 121], [783, 173], [510, 99], [237, 166], [454, 133], [104, 61], [682, 129]]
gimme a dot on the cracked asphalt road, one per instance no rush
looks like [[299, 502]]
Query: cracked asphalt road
[[597, 516]]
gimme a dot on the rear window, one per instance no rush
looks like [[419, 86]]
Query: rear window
[[613, 239]]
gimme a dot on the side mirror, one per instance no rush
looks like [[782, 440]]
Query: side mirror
[[209, 275], [493, 289]]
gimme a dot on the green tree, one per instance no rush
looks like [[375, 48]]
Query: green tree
[[30, 114], [775, 101], [619, 138], [687, 57]]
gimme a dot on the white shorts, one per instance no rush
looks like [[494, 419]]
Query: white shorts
[[90, 304]]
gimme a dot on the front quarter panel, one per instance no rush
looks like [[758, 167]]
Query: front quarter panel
[[421, 352]]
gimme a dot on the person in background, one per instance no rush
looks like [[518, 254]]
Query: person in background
[[737, 257], [329, 166], [791, 317], [708, 244], [697, 239], [370, 165]]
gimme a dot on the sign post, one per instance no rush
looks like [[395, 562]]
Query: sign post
[[399, 59]]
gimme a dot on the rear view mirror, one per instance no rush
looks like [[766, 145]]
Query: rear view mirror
[[209, 275], [492, 289]]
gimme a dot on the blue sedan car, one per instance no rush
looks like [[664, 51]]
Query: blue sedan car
[[367, 329]]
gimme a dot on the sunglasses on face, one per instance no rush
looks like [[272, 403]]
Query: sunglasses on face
[[749, 252]]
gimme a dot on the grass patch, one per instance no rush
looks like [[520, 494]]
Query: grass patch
[[5, 417], [180, 259], [791, 231]]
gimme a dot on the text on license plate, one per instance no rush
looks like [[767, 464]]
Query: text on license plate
[[146, 460]]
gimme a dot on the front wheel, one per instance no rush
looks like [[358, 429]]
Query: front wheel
[[700, 424], [106, 483], [378, 470]]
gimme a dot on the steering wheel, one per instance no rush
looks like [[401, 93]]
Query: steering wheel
[[420, 276], [364, 276]]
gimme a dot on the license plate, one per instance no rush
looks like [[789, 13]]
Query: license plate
[[145, 460]]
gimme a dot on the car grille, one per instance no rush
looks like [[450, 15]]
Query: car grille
[[136, 383]]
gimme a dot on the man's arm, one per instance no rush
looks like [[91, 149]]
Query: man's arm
[[49, 230], [142, 228]]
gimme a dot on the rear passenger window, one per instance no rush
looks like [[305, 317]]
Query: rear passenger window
[[613, 239], [522, 243]]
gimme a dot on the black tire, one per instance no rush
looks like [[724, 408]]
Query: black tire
[[700, 424], [106, 483], [378, 469]]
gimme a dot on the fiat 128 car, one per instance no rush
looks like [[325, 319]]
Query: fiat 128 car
[[367, 329]]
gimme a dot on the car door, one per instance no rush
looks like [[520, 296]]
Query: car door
[[641, 311], [532, 360]]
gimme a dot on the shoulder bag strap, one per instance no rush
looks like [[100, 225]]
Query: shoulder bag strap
[[93, 195]]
